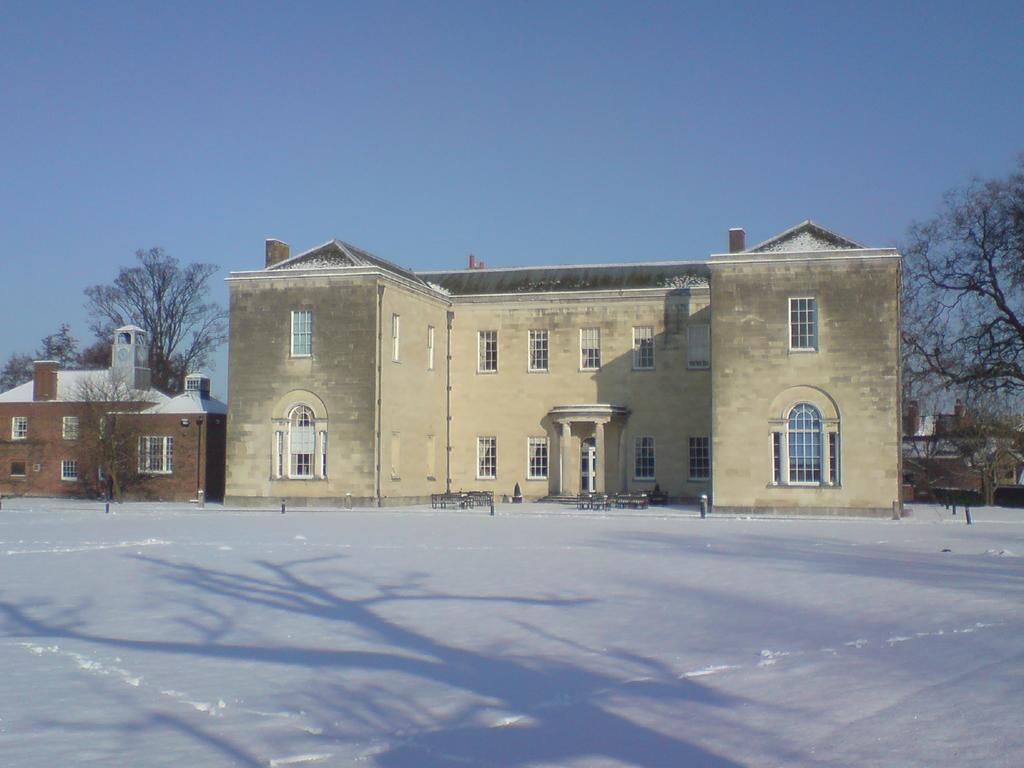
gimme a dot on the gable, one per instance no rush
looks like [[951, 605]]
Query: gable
[[804, 237], [326, 256]]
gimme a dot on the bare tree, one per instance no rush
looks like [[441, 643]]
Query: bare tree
[[16, 371], [60, 346], [964, 288], [988, 439], [108, 430], [170, 303]]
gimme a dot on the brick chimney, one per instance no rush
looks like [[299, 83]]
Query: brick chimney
[[472, 261], [911, 419], [737, 240], [44, 380], [277, 252]]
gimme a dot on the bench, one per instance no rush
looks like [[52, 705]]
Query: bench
[[631, 500]]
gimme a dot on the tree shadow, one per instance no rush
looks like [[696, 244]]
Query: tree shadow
[[561, 710]]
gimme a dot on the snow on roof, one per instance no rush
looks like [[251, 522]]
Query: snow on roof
[[189, 403], [337, 253], [70, 385], [808, 235]]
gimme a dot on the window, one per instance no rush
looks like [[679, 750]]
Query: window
[[488, 353], [776, 457], [69, 469], [537, 457], [396, 456], [19, 427], [538, 350], [803, 324], [278, 454], [301, 436], [643, 466], [69, 428], [698, 346], [590, 349], [833, 458], [643, 348], [302, 332], [430, 347], [700, 458], [156, 455], [486, 458], [803, 436], [396, 332], [323, 454], [17, 469]]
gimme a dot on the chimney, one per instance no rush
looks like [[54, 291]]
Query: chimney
[[480, 265], [276, 252], [472, 261], [44, 380], [912, 419], [737, 240], [959, 412]]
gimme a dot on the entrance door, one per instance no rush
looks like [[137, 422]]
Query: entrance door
[[588, 465]]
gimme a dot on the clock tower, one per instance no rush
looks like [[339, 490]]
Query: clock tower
[[130, 357]]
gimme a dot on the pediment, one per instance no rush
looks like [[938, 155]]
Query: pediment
[[327, 256], [804, 237]]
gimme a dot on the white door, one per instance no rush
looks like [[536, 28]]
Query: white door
[[588, 465]]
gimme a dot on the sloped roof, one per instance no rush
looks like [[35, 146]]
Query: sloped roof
[[583, 277], [189, 403], [805, 236], [70, 384], [337, 253]]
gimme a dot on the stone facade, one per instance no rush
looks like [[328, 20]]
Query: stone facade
[[353, 381]]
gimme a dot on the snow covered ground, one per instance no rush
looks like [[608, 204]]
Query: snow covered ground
[[164, 635]]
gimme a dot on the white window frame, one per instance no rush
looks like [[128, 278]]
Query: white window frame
[[799, 329], [484, 363], [69, 428], [591, 361], [322, 434], [538, 347], [533, 468], [643, 347], [69, 470], [698, 337], [640, 446], [159, 460], [19, 427], [486, 470], [699, 449], [396, 337], [291, 463], [430, 347], [302, 333]]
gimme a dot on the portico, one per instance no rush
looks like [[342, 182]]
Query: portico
[[584, 433]]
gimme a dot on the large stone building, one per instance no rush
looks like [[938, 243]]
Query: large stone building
[[68, 426], [766, 377]]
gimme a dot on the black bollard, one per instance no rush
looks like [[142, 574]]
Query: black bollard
[[703, 506], [954, 509], [282, 506], [106, 508], [967, 514]]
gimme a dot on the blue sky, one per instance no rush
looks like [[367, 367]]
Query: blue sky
[[522, 132]]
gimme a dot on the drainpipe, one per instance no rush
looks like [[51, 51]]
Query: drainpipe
[[448, 405], [380, 386]]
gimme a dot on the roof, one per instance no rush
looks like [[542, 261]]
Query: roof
[[337, 253], [189, 403], [582, 277], [806, 236], [70, 384]]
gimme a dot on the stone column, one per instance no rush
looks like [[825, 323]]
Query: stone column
[[564, 445], [599, 448]]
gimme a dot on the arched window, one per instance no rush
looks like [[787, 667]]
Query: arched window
[[301, 442], [803, 438]]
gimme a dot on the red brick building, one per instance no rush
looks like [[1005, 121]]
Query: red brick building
[[50, 429]]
